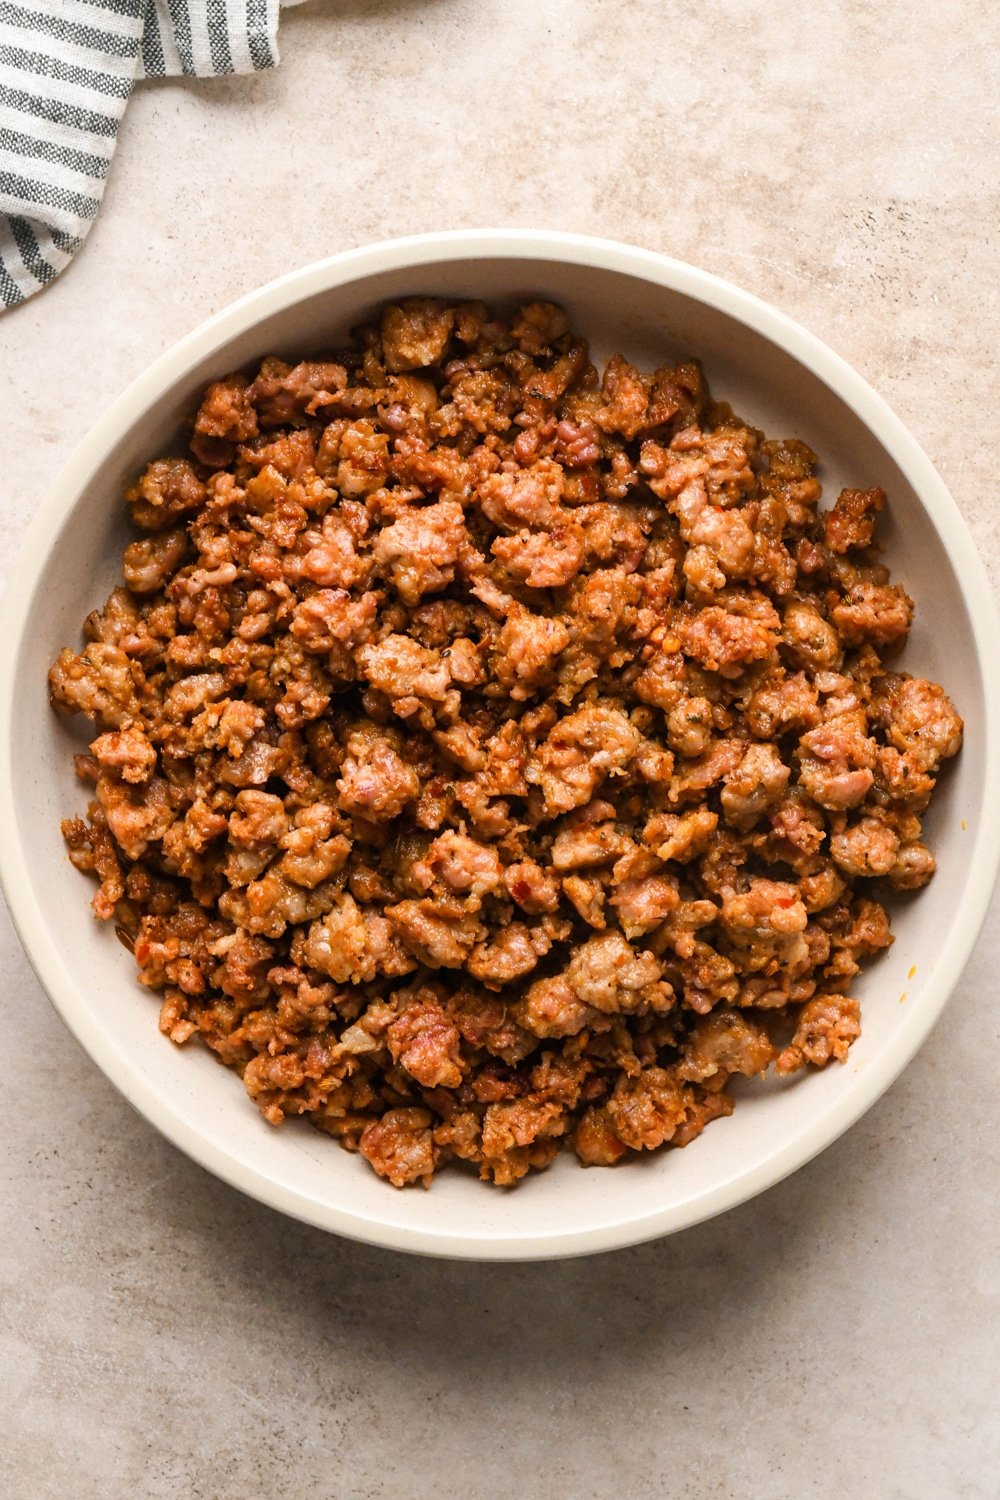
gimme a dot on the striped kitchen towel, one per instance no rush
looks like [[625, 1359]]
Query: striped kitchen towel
[[67, 68]]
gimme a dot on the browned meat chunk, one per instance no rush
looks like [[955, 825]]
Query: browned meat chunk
[[400, 1146], [419, 550], [415, 333], [526, 649], [543, 559], [644, 902], [439, 934], [149, 564], [353, 945], [460, 864], [755, 786], [770, 912], [100, 682], [167, 490], [127, 752], [613, 977], [583, 749], [725, 1042], [851, 522], [375, 781], [827, 1027], [726, 643], [648, 1109], [425, 1043], [912, 868], [867, 848], [873, 613], [919, 720], [836, 761], [227, 411], [517, 1137], [514, 952], [808, 639], [551, 1007], [595, 1141], [533, 888], [515, 498]]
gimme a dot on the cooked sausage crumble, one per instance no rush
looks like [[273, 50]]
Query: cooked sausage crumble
[[495, 754]]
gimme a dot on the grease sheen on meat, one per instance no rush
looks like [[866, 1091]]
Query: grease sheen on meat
[[494, 754]]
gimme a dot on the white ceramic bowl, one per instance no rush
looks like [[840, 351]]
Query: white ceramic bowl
[[774, 373]]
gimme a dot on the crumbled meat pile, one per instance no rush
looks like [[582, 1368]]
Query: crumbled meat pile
[[494, 754]]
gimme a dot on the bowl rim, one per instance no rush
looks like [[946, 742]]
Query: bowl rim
[[514, 244]]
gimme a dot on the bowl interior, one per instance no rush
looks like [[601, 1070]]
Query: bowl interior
[[201, 1105]]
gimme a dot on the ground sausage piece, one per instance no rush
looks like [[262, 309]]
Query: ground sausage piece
[[461, 864], [757, 784], [425, 1042], [533, 888], [647, 1110], [421, 548], [851, 522], [400, 1146], [836, 761], [595, 1141], [552, 1008], [440, 936], [515, 498], [867, 848], [136, 817], [514, 1139], [783, 705], [402, 669], [912, 868], [485, 1022], [167, 490], [126, 751], [100, 682], [578, 846], [92, 850], [587, 895], [702, 1109], [147, 565], [227, 411], [726, 643], [353, 945], [284, 394], [878, 614], [512, 954], [580, 752], [808, 639], [525, 651], [415, 333], [492, 754], [681, 837], [919, 720], [257, 818], [375, 780], [725, 1042], [615, 978], [689, 726], [330, 620], [645, 902], [827, 1027], [543, 559], [770, 911]]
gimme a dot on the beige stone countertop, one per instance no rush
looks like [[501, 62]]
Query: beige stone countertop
[[161, 1336]]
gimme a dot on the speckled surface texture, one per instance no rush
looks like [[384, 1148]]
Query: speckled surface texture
[[162, 1337]]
